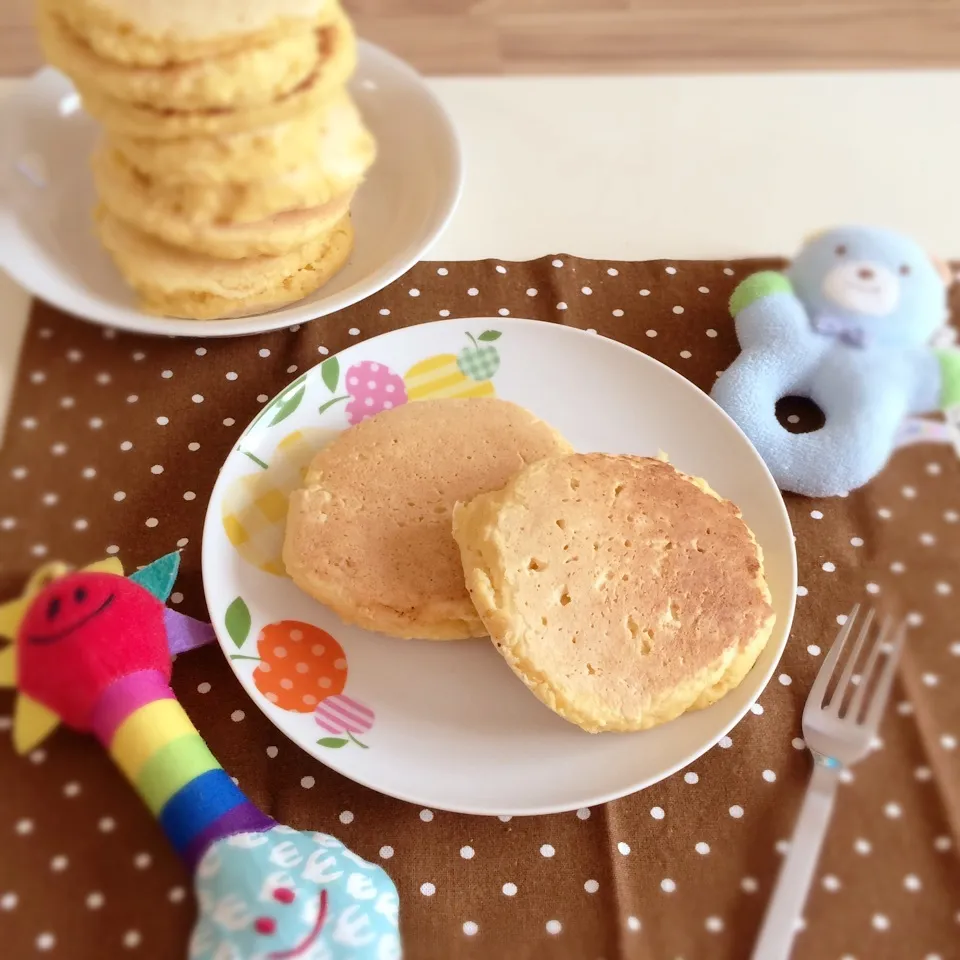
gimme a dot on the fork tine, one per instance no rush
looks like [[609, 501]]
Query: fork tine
[[880, 696], [853, 711], [819, 689], [844, 682]]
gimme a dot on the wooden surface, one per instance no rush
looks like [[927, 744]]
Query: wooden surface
[[600, 36]]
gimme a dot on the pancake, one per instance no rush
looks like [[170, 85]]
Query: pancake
[[337, 58], [162, 32], [259, 153], [369, 534], [177, 283], [250, 175], [622, 592], [137, 201], [246, 77]]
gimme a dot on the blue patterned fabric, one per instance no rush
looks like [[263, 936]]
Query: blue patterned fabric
[[289, 894]]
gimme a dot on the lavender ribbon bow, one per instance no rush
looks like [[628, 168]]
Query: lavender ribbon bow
[[846, 331]]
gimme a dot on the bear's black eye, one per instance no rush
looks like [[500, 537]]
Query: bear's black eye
[[79, 595], [841, 251], [905, 270]]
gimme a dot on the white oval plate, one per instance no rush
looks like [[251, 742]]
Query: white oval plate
[[448, 725], [47, 242]]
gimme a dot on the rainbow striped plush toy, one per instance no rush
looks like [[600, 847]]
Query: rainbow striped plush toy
[[93, 649]]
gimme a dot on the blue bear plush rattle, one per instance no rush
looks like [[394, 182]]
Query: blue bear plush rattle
[[848, 325]]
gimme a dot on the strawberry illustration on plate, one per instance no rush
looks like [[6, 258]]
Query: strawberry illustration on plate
[[466, 374]]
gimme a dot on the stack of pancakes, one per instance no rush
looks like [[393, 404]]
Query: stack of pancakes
[[622, 592], [231, 149]]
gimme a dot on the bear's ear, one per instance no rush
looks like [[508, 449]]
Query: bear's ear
[[941, 266]]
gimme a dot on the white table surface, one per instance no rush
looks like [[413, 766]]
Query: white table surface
[[680, 167]]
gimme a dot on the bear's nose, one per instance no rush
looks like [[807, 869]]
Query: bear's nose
[[865, 273]]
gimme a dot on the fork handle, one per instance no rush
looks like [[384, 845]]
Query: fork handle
[[796, 874]]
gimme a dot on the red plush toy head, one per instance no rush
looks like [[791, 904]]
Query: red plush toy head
[[80, 634]]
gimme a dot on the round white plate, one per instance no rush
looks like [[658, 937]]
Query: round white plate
[[448, 725], [46, 200]]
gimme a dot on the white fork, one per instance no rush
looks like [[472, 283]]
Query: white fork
[[836, 740]]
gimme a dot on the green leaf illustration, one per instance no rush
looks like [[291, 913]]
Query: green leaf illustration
[[256, 460], [330, 371], [277, 401], [334, 743], [289, 405], [488, 336], [237, 621], [326, 406]]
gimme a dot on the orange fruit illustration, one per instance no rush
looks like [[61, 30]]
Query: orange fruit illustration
[[300, 665]]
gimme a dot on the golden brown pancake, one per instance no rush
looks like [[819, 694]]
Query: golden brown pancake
[[179, 283], [142, 203], [250, 175], [369, 535], [248, 76], [337, 49], [621, 591], [168, 32]]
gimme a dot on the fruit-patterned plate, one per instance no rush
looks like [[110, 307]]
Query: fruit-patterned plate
[[448, 725]]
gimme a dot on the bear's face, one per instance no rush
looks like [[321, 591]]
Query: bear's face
[[877, 280]]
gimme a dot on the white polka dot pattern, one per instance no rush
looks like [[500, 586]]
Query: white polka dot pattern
[[113, 448]]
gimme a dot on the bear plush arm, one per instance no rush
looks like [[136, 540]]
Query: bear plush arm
[[767, 312]]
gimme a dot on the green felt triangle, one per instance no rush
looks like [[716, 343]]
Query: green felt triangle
[[159, 577]]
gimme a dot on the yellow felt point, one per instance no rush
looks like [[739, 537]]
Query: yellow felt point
[[32, 723], [146, 731], [11, 613], [44, 576], [8, 666], [110, 565]]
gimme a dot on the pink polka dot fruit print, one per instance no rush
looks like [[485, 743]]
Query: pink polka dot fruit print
[[372, 388]]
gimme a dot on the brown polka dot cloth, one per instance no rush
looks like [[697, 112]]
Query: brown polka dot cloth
[[113, 446]]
